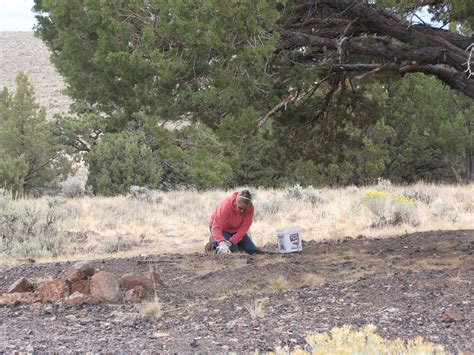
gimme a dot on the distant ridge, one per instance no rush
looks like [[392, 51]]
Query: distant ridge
[[22, 51]]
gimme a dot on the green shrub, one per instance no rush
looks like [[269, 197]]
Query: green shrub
[[119, 161], [30, 154]]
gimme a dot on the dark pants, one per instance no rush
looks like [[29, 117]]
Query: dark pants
[[245, 244]]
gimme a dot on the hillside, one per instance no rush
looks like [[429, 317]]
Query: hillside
[[22, 51]]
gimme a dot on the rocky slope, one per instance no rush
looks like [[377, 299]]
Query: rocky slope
[[22, 51]]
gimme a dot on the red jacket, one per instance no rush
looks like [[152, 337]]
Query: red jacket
[[226, 217]]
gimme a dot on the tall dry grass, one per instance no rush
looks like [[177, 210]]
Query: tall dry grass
[[124, 226]]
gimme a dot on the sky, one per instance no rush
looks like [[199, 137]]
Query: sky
[[16, 15]]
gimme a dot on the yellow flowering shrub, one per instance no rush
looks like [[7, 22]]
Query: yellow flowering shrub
[[345, 341], [376, 202], [404, 210], [391, 210], [404, 200]]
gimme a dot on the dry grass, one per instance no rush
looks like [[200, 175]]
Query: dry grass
[[437, 264], [151, 308], [312, 280], [278, 283], [257, 309], [345, 341], [122, 226]]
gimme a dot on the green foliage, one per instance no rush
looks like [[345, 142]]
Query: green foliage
[[119, 161], [31, 155], [135, 65], [204, 157], [433, 128]]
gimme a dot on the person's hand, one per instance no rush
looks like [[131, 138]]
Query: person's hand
[[223, 247]]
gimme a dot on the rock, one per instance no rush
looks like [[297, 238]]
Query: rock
[[135, 294], [26, 260], [130, 281], [79, 271], [54, 290], [463, 247], [17, 298], [452, 315], [81, 286], [78, 298], [105, 287], [155, 276], [21, 285]]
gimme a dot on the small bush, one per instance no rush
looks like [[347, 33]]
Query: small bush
[[312, 280], [295, 192], [28, 230], [376, 202], [151, 308], [256, 310], [308, 194], [142, 193], [442, 208], [391, 211], [352, 189], [271, 206], [72, 188], [419, 194], [465, 200], [404, 210], [278, 283], [383, 184], [117, 243], [345, 341]]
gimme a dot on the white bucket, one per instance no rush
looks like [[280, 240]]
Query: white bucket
[[289, 239]]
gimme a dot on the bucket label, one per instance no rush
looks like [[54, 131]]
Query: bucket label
[[295, 240]]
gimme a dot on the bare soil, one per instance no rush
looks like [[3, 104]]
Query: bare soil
[[402, 285]]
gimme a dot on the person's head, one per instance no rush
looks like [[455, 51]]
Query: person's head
[[244, 200]]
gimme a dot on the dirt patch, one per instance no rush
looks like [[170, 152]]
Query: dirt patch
[[215, 303]]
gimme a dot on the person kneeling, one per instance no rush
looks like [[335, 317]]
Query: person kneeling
[[230, 223]]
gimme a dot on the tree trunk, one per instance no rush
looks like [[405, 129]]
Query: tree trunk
[[470, 164], [352, 35]]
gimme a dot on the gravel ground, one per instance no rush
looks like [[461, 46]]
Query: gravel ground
[[402, 285]]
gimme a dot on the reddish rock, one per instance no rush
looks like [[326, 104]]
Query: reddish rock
[[82, 286], [155, 276], [452, 315], [105, 287], [130, 281], [17, 298], [135, 294], [78, 298], [21, 285], [54, 290], [79, 271]]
